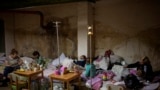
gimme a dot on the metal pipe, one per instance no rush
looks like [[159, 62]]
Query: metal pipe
[[28, 12]]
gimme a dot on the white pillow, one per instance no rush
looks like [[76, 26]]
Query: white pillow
[[103, 64], [56, 61], [125, 72], [117, 69], [50, 66], [2, 60], [115, 58], [27, 59], [68, 63]]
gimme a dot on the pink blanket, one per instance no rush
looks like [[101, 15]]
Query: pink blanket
[[95, 83]]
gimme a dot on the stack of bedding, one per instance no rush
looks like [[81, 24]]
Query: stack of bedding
[[2, 59]]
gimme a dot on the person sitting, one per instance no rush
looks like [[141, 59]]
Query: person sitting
[[144, 68], [82, 61], [90, 70], [38, 58], [12, 62]]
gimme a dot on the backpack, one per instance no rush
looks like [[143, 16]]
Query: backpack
[[132, 82]]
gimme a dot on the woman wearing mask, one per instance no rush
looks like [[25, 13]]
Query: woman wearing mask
[[82, 61]]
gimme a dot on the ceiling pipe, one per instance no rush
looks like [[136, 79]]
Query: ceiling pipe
[[28, 12]]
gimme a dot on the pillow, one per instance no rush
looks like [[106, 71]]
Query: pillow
[[103, 64], [68, 63], [48, 64], [117, 69], [2, 60], [27, 61], [56, 61], [125, 72], [115, 58]]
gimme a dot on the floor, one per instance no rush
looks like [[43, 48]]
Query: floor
[[8, 88], [5, 88], [82, 87]]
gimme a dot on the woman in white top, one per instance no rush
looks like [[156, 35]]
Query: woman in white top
[[12, 63]]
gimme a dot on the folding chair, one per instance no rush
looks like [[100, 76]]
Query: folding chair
[[17, 84]]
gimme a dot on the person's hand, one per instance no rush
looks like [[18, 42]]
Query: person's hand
[[139, 73]]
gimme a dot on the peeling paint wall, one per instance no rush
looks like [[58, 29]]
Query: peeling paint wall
[[30, 36], [131, 28]]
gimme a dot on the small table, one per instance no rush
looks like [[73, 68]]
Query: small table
[[29, 74], [66, 78]]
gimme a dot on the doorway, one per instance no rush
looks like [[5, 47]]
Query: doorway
[[2, 37]]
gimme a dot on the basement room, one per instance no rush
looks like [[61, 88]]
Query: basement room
[[79, 44]]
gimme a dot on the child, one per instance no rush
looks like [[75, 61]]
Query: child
[[39, 59], [90, 70]]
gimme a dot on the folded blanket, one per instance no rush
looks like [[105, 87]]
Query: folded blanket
[[94, 83]]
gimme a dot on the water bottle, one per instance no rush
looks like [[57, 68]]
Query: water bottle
[[145, 68], [34, 85], [44, 84], [62, 88], [55, 87]]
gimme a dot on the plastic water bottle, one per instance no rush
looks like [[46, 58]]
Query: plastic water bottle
[[55, 87], [145, 68], [34, 85], [44, 84]]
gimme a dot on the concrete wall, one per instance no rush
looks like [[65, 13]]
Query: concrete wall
[[129, 27], [9, 31], [30, 36]]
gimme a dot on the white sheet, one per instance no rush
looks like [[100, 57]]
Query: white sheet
[[56, 61], [151, 86], [47, 72]]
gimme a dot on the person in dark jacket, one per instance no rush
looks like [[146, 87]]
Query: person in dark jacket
[[82, 61], [144, 68]]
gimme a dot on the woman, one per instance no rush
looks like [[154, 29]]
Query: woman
[[12, 63], [82, 61], [39, 59], [90, 70], [144, 68]]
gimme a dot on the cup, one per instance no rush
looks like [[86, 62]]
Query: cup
[[62, 72], [35, 69]]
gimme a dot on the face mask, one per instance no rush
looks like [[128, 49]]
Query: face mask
[[81, 59]]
